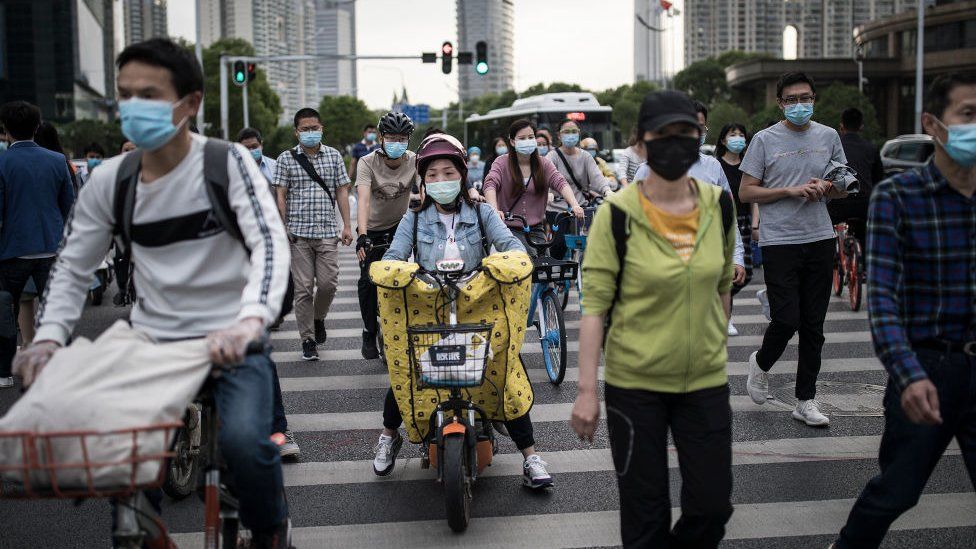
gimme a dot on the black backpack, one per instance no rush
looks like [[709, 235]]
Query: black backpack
[[621, 232], [216, 179]]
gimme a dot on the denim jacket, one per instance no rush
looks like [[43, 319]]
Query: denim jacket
[[432, 237]]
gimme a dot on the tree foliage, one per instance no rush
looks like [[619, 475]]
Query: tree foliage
[[264, 106], [722, 113], [626, 101], [343, 118], [705, 80], [77, 135]]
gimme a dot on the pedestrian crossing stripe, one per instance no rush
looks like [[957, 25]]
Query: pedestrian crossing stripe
[[602, 528]]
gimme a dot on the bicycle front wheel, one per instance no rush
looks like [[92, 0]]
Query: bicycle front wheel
[[854, 283], [553, 337]]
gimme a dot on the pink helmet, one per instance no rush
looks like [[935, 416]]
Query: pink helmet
[[441, 145]]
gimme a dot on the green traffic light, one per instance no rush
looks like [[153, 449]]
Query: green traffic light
[[239, 77], [481, 68]]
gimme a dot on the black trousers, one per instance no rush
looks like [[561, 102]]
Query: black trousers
[[909, 452], [745, 231], [13, 277], [701, 424], [368, 305], [798, 280], [519, 429]]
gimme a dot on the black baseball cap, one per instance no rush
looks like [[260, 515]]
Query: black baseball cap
[[665, 107]]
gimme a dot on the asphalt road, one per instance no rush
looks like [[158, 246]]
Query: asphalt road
[[794, 485]]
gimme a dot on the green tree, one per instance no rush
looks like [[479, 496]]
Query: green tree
[[77, 135], [279, 140], [264, 106], [343, 118], [703, 80], [626, 101], [722, 113]]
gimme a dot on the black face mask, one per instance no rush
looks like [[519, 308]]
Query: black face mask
[[671, 157]]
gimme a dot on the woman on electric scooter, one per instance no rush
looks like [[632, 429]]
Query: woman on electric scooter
[[448, 228]]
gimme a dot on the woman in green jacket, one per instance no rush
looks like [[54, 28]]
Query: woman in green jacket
[[668, 301]]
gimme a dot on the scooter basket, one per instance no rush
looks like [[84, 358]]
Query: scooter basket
[[449, 355], [63, 464]]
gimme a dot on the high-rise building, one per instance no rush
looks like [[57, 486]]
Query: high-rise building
[[824, 27], [336, 35], [68, 74], [491, 21], [648, 41], [273, 27], [144, 19]]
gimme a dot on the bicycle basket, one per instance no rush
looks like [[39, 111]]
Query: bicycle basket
[[548, 269], [449, 355], [83, 464]]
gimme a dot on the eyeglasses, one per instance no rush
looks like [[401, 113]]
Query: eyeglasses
[[569, 131], [310, 129], [794, 99]]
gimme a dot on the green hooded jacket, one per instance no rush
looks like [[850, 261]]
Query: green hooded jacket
[[668, 331]]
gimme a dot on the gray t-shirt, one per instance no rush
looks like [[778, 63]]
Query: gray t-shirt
[[780, 157]]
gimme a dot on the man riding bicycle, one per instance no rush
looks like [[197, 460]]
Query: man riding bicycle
[[195, 275], [384, 179]]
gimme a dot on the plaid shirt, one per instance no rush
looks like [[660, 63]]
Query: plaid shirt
[[311, 214], [921, 267]]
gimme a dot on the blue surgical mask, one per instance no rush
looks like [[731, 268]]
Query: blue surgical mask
[[148, 122], [961, 144], [592, 152], [799, 114], [525, 146], [701, 140], [310, 139], [258, 154], [735, 144], [371, 136], [543, 150], [92, 162], [3, 146], [443, 192], [569, 139], [394, 149], [501, 150]]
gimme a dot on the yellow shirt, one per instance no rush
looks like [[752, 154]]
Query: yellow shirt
[[678, 229]]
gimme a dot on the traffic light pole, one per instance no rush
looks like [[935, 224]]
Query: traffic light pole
[[247, 117], [225, 60]]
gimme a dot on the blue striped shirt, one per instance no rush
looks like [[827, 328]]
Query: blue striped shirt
[[921, 267]]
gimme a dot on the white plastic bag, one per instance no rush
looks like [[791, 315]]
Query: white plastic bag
[[122, 380]]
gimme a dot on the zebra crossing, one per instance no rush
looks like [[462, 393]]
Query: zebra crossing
[[794, 484]]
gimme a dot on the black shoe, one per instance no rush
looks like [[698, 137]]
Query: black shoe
[[277, 324], [279, 538], [320, 331], [370, 352], [309, 351]]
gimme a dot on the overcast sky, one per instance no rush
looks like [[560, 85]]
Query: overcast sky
[[587, 42]]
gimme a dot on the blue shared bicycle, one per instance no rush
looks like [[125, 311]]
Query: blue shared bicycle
[[545, 312]]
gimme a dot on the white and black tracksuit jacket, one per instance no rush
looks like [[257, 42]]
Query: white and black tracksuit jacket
[[190, 275]]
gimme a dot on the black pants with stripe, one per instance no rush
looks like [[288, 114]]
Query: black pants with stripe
[[701, 424]]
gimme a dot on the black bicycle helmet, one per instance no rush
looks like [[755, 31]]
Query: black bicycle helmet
[[395, 123]]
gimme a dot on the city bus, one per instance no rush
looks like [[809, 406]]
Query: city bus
[[546, 111]]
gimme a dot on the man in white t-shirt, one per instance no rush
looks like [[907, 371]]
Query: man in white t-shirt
[[193, 278]]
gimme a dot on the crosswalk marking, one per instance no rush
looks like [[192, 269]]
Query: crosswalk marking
[[601, 528], [791, 450]]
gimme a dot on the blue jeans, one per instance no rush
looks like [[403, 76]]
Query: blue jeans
[[909, 452], [244, 398]]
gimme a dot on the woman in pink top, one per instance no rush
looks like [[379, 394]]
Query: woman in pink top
[[520, 182]]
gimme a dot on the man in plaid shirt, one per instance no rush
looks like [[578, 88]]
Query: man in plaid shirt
[[311, 180], [922, 299]]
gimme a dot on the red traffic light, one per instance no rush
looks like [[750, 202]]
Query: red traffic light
[[447, 57], [447, 48]]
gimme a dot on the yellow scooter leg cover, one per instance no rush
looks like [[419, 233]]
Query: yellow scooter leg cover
[[498, 295]]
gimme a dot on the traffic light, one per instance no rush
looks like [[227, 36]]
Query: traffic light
[[481, 56], [447, 57], [251, 72], [240, 73]]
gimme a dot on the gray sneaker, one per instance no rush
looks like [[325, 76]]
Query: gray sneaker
[[6, 382], [287, 446], [764, 301]]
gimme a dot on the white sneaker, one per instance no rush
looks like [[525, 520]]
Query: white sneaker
[[732, 331], [534, 473], [808, 411], [386, 452], [6, 382], [758, 381], [764, 301]]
